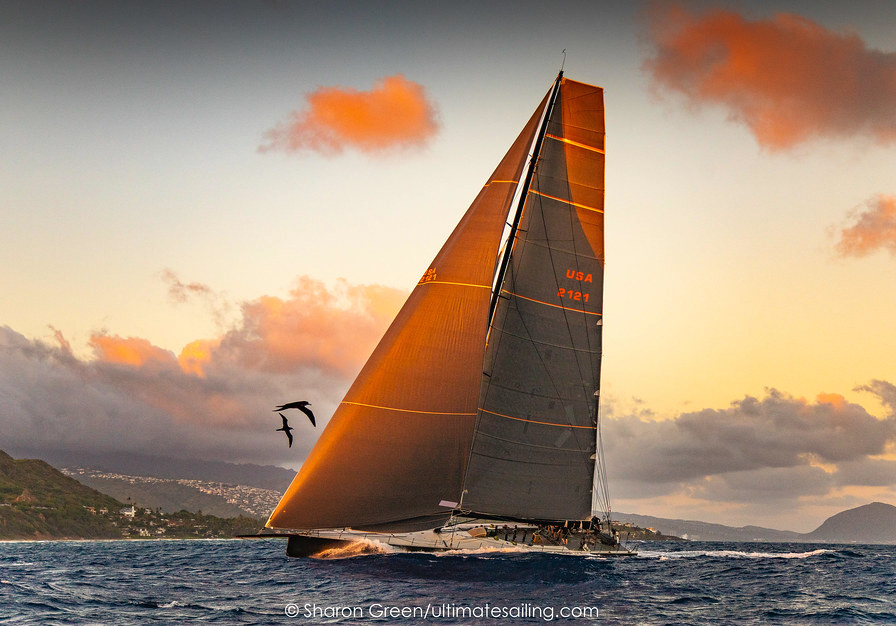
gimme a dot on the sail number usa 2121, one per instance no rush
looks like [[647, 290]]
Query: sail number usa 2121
[[575, 294]]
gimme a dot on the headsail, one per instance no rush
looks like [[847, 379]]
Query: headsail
[[534, 449], [394, 453]]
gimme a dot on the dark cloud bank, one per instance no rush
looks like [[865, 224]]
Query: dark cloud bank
[[777, 447]]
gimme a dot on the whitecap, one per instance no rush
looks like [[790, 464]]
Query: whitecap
[[361, 547], [736, 554]]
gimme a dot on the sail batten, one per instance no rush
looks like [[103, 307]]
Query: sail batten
[[444, 282], [569, 202], [394, 408], [551, 304], [531, 421]]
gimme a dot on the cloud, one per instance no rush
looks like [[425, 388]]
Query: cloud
[[787, 78], [871, 230], [884, 390], [755, 445], [179, 291], [131, 351], [335, 329], [212, 401], [395, 114]]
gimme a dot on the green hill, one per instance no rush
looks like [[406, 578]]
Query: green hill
[[39, 502]]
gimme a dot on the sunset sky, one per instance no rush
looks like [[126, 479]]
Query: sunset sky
[[208, 208]]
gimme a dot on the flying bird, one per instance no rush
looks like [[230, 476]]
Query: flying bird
[[302, 406], [286, 428]]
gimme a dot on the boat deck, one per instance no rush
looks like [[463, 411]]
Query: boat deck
[[467, 538]]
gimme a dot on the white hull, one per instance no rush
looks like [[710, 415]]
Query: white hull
[[470, 539]]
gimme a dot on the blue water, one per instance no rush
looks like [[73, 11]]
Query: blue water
[[253, 582]]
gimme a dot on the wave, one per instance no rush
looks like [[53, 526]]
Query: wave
[[736, 554], [361, 547]]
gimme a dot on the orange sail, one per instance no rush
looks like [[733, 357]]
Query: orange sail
[[394, 453], [481, 396]]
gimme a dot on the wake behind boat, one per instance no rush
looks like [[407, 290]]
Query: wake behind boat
[[478, 410]]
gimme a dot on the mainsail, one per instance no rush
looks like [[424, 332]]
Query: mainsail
[[535, 436], [482, 396]]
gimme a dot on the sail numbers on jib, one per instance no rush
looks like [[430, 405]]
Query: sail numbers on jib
[[429, 276]]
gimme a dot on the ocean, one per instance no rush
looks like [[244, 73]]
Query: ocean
[[253, 582]]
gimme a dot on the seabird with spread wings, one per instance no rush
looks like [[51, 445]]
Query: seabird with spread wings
[[302, 406], [286, 428]]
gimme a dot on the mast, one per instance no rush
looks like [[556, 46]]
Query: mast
[[533, 162]]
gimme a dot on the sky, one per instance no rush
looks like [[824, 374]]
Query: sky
[[208, 209]]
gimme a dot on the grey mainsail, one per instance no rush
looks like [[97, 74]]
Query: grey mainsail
[[534, 446]]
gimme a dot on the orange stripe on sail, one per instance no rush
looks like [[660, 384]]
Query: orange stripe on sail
[[557, 306], [522, 419], [576, 144], [392, 408], [569, 202], [445, 282]]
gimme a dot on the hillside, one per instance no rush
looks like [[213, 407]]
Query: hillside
[[170, 494], [704, 531], [36, 501], [39, 502], [871, 523]]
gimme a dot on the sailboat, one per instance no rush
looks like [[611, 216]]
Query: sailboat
[[474, 423]]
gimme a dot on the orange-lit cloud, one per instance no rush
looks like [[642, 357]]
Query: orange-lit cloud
[[787, 78], [333, 329], [394, 114], [871, 230], [129, 351], [211, 401], [197, 354], [836, 400]]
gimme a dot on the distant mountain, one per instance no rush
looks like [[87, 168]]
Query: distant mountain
[[871, 523], [174, 494], [263, 476], [704, 531], [165, 494]]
